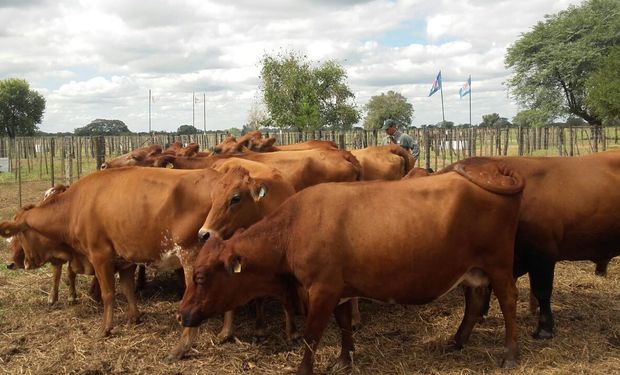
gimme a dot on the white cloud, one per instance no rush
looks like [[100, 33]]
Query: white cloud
[[98, 58]]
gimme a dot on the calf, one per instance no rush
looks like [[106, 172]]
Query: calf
[[462, 233]]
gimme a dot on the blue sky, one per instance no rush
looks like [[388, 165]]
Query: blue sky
[[98, 58]]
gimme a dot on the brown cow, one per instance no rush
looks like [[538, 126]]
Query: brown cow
[[334, 250], [300, 168], [238, 201], [389, 162], [123, 215], [138, 157], [18, 256], [569, 212]]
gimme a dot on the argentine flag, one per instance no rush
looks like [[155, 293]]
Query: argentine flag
[[466, 89]]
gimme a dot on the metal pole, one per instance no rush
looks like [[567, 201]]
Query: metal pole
[[150, 130], [193, 109], [470, 124], [443, 116], [204, 111]]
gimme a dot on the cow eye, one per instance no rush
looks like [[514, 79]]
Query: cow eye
[[235, 199]]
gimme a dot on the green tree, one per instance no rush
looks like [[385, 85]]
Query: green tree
[[187, 130], [103, 127], [489, 120], [21, 109], [306, 98], [603, 87], [531, 118], [387, 105], [445, 124], [552, 62], [336, 101]]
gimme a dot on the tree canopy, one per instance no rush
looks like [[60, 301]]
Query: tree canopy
[[552, 62], [603, 87], [391, 105], [531, 118], [305, 97], [103, 127], [21, 109], [187, 130]]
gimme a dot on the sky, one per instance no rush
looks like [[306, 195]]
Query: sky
[[95, 59]]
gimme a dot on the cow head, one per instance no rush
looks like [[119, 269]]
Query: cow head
[[237, 202], [16, 254], [223, 279], [141, 157]]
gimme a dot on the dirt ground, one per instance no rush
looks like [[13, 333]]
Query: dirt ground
[[39, 339]]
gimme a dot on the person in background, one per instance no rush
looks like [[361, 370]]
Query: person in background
[[404, 140]]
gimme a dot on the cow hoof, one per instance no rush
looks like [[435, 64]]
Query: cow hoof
[[223, 338], [508, 364], [103, 333], [542, 334], [456, 345], [176, 355], [51, 301], [135, 319]]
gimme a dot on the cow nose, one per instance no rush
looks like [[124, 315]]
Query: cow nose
[[10, 266], [104, 165], [204, 234]]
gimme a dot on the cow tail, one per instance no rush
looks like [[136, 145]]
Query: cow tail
[[11, 228], [492, 175]]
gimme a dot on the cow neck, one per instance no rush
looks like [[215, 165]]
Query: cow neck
[[49, 219], [193, 162]]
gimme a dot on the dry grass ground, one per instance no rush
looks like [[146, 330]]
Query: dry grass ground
[[38, 339]]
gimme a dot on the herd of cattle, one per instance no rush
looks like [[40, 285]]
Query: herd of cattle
[[316, 227]]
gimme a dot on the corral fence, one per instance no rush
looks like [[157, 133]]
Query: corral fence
[[63, 159]]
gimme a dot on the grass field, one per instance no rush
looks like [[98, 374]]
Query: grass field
[[39, 339]]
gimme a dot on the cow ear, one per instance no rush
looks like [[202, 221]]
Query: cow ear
[[234, 264]]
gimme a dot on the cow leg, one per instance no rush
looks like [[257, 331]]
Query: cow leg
[[541, 274], [292, 335], [475, 299], [187, 340], [127, 281], [507, 293], [322, 301], [343, 314], [104, 270], [141, 280], [356, 316], [226, 334], [95, 290], [71, 283], [533, 304], [53, 296], [601, 267], [259, 328]]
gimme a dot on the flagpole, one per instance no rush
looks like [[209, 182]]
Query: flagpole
[[204, 111], [193, 109], [149, 111], [443, 116], [470, 124]]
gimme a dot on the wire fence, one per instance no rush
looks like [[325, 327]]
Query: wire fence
[[63, 159]]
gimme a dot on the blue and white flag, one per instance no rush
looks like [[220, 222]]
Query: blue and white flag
[[436, 84], [466, 89]]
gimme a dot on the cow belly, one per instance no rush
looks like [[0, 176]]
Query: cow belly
[[423, 290]]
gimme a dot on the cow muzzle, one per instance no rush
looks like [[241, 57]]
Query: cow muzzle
[[191, 319], [11, 266], [206, 233], [104, 166]]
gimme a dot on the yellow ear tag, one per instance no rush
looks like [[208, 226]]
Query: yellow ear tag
[[237, 268], [169, 165]]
